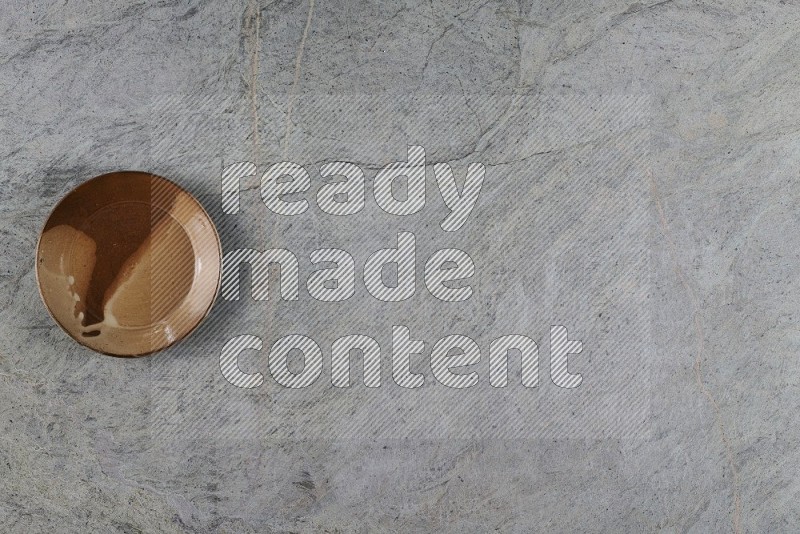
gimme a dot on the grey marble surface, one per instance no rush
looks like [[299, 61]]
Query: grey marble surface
[[165, 444]]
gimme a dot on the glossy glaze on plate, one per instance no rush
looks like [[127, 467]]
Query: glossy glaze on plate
[[128, 263]]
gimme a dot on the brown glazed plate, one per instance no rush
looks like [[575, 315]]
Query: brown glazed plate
[[128, 263]]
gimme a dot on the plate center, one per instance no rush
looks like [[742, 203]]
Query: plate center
[[144, 267]]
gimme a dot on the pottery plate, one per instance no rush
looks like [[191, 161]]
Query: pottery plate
[[128, 263]]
